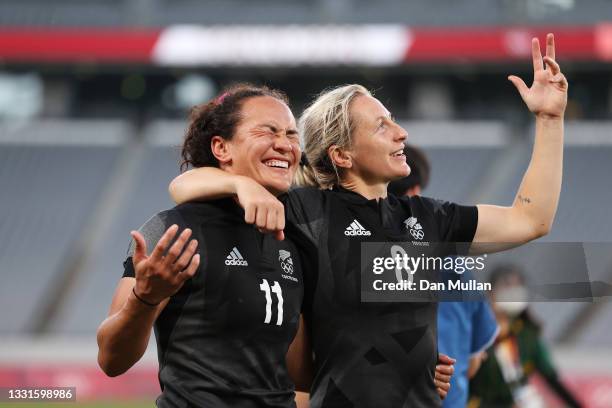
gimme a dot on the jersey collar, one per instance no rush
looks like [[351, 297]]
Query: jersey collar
[[390, 202], [356, 198]]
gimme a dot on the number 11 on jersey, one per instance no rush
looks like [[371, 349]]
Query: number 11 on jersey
[[276, 288]]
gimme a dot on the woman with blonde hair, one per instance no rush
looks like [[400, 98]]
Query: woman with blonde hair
[[384, 354]]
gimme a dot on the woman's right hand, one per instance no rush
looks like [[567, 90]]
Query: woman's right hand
[[261, 208], [160, 276]]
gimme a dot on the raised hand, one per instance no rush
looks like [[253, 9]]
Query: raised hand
[[160, 276], [261, 208], [547, 96]]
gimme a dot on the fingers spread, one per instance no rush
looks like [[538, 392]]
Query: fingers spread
[[560, 79], [191, 269], [140, 251], [162, 244], [519, 84], [176, 248], [536, 54], [552, 65], [183, 261], [550, 45]]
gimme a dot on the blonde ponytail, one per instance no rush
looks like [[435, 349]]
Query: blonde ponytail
[[325, 123]]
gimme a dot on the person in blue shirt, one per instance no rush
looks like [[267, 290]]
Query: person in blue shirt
[[465, 328]]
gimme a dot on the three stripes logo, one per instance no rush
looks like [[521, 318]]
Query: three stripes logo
[[235, 258], [356, 229]]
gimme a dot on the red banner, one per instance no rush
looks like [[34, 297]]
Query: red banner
[[370, 45]]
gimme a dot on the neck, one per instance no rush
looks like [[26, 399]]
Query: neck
[[371, 191]]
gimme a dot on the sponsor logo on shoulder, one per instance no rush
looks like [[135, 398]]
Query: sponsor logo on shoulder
[[415, 229], [235, 258], [286, 263], [355, 228]]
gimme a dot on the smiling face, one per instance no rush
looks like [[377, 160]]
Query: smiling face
[[377, 143], [265, 146]]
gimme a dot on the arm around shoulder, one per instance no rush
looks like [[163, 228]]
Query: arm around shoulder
[[204, 183]]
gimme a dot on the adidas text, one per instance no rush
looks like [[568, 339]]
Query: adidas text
[[358, 232], [356, 229], [236, 262]]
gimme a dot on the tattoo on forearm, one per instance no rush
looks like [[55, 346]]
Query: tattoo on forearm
[[524, 200]]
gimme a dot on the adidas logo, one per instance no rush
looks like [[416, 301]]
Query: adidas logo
[[235, 258], [356, 229]]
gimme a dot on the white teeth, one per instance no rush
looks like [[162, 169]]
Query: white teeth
[[277, 163], [398, 153]]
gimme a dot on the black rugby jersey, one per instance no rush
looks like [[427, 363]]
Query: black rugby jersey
[[370, 354], [223, 338]]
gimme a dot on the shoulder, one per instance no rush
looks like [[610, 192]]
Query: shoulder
[[433, 206], [455, 222], [304, 194], [304, 201], [158, 223], [436, 208], [153, 229], [200, 211]]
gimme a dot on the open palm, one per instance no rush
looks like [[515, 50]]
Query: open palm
[[548, 93]]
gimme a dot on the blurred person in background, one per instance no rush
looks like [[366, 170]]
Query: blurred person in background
[[517, 354], [465, 328], [223, 324], [354, 149]]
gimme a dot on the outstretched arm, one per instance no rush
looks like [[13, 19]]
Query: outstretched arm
[[533, 210], [208, 183]]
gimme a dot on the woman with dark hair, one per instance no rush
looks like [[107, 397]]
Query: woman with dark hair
[[518, 352], [383, 355], [223, 322]]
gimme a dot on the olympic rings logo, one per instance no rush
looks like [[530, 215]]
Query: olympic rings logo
[[417, 234]]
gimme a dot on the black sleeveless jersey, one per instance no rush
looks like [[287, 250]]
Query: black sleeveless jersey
[[370, 354], [223, 338]]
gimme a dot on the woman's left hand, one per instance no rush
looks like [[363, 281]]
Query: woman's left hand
[[444, 372]]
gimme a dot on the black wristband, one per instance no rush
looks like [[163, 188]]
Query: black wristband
[[144, 301]]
